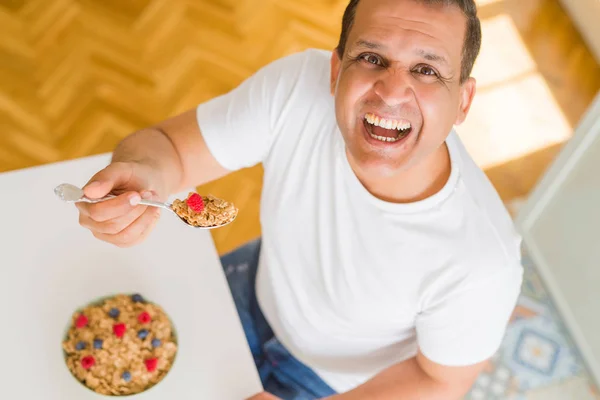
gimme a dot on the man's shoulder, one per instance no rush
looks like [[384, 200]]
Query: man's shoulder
[[491, 233], [309, 67], [312, 55], [476, 184], [311, 60]]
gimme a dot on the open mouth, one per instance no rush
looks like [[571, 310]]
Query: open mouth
[[386, 130]]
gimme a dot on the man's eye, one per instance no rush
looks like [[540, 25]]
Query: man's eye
[[371, 59], [425, 70]]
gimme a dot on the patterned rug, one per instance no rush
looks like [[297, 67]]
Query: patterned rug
[[538, 359]]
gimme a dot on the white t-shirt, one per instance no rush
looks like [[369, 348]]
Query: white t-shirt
[[349, 283]]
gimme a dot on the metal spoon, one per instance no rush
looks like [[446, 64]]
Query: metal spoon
[[72, 194]]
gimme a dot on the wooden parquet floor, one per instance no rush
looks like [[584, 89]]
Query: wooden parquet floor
[[76, 76]]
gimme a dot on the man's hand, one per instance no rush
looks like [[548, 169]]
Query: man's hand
[[122, 221], [264, 396]]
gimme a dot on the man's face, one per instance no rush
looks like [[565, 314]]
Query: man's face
[[402, 63]]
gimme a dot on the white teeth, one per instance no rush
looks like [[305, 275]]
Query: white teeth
[[383, 138], [404, 126], [387, 123]]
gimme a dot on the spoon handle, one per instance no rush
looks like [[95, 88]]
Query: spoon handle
[[166, 206], [93, 201]]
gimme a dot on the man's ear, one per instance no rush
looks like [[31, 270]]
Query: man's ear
[[467, 92], [335, 70]]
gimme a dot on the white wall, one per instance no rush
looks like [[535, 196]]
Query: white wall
[[586, 16], [561, 227]]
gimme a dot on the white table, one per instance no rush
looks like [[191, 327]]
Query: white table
[[50, 266]]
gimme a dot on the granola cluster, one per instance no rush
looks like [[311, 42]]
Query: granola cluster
[[205, 211], [121, 346]]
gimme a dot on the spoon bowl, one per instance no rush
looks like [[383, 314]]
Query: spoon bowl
[[73, 194]]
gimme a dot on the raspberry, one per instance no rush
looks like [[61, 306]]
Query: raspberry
[[81, 321], [144, 318], [88, 362], [195, 202], [151, 364], [119, 330]]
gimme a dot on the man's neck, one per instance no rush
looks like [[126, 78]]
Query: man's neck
[[414, 184]]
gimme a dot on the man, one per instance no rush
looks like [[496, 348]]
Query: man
[[388, 267]]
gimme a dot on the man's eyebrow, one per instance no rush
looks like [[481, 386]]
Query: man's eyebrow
[[429, 56], [368, 44]]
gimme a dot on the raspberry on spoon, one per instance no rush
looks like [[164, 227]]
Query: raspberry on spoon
[[195, 202]]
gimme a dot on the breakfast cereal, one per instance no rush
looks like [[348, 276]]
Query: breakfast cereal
[[205, 211], [120, 346]]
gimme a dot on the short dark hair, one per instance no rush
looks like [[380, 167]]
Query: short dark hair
[[471, 45]]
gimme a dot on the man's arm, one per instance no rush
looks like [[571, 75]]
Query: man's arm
[[417, 378], [464, 324], [176, 148]]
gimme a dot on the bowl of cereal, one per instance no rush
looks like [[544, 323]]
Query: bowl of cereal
[[120, 345]]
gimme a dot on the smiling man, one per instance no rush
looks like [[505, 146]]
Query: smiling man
[[388, 267]]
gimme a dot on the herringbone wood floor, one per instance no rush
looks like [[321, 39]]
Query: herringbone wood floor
[[76, 76]]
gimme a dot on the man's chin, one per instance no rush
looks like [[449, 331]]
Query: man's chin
[[376, 166]]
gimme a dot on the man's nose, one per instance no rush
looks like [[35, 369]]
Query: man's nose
[[393, 87]]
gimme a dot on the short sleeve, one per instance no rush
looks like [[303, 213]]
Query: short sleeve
[[467, 327], [239, 126]]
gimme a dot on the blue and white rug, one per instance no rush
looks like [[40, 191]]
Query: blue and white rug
[[538, 359]]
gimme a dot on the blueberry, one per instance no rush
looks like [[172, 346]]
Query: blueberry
[[126, 376], [80, 345], [155, 342], [97, 343], [114, 312], [137, 298], [143, 333]]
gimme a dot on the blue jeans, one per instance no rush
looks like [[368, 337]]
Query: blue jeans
[[280, 373]]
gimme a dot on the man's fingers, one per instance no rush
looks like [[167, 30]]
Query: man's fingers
[[114, 225], [135, 232], [113, 176], [111, 209]]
